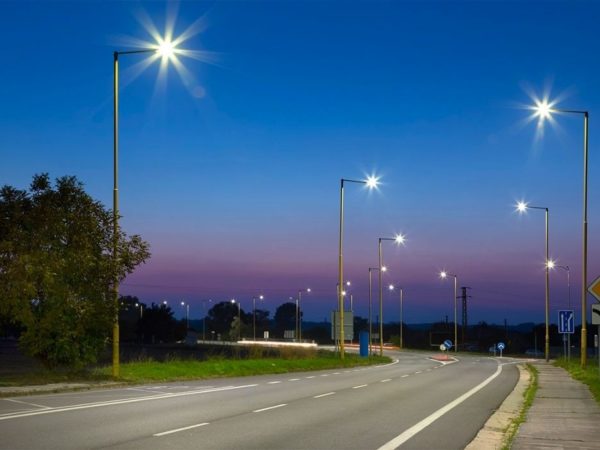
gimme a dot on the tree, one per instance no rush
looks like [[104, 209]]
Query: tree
[[222, 319], [159, 325], [57, 269], [285, 318]]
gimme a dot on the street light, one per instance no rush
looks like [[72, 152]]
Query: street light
[[260, 297], [544, 110], [444, 275], [141, 306], [399, 240], [187, 314], [523, 207], [165, 49], [401, 318], [371, 183], [370, 306], [298, 316], [239, 318]]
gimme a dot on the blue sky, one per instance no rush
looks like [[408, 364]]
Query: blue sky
[[232, 174]]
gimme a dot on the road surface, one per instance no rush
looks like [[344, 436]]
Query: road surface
[[413, 403]]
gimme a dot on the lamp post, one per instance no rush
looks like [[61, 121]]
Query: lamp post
[[401, 318], [239, 317], [141, 306], [544, 110], [166, 50], [187, 314], [260, 297], [568, 270], [371, 308], [444, 274], [204, 318], [371, 182], [298, 315], [523, 207], [399, 239]]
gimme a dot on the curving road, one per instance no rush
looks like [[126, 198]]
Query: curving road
[[414, 403]]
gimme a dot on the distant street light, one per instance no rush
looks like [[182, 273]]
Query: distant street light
[[523, 207], [141, 306], [371, 307], [260, 297], [187, 314], [399, 239], [443, 275], [239, 318], [401, 318], [544, 110], [165, 49], [371, 183], [298, 315]]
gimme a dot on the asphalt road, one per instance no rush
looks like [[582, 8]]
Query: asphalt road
[[415, 403]]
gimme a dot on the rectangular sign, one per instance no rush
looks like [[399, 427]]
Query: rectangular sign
[[566, 321], [596, 314], [348, 325]]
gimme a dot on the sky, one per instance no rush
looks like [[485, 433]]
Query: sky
[[230, 167]]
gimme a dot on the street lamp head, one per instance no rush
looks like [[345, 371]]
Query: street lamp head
[[384, 269], [166, 49], [182, 303], [348, 283], [233, 300], [343, 293], [308, 289], [399, 239], [391, 287], [443, 274], [521, 206], [261, 297], [551, 264], [372, 182], [543, 109]]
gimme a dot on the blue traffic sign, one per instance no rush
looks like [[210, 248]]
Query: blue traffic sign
[[448, 343], [566, 321], [500, 346]]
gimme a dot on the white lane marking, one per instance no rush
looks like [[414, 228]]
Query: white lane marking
[[274, 382], [325, 375], [386, 380], [360, 386], [406, 435], [147, 390], [312, 376], [337, 373], [404, 376], [324, 395], [418, 372], [269, 407], [294, 379], [180, 429], [123, 401], [26, 403]]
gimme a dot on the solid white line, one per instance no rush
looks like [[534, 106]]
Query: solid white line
[[270, 407], [324, 395], [123, 401], [406, 435], [274, 382], [180, 429], [361, 386], [386, 380]]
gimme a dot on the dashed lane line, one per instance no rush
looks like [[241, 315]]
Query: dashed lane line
[[274, 382], [324, 395], [180, 429], [386, 380], [268, 408], [360, 386]]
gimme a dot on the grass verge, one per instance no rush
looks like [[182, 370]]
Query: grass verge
[[528, 397], [590, 375]]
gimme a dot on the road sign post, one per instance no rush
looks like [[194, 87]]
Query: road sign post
[[596, 321], [500, 347]]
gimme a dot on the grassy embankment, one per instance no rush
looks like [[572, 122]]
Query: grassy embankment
[[148, 370], [528, 397], [590, 375]]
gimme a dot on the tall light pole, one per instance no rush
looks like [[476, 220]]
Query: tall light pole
[[444, 274], [298, 315], [392, 287], [523, 207], [371, 182], [166, 50], [399, 239], [204, 318], [233, 301], [187, 314], [371, 307], [544, 110], [568, 270], [260, 297]]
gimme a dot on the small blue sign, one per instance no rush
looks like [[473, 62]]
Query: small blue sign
[[566, 321], [448, 343], [501, 346]]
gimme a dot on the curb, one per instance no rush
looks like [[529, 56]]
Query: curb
[[492, 435]]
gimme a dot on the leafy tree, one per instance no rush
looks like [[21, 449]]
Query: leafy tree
[[159, 325], [130, 314], [285, 318], [57, 269], [223, 320]]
